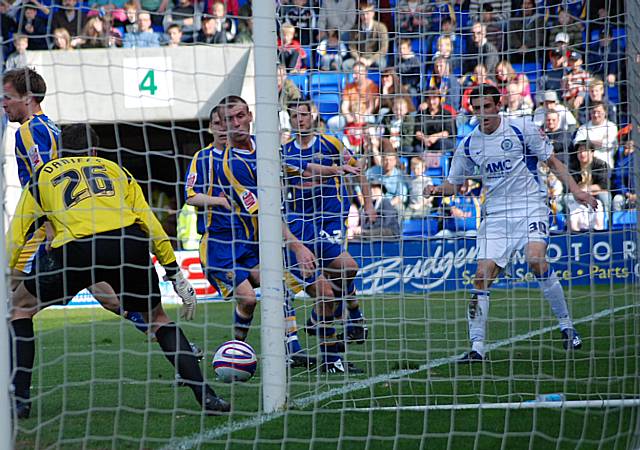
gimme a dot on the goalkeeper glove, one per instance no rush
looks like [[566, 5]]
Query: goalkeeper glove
[[185, 291]]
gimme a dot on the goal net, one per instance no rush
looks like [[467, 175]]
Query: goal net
[[429, 280]]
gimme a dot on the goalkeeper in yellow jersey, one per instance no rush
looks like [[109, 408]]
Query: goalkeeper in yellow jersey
[[103, 230]]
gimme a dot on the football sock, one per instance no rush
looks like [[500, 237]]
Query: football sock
[[291, 327], [241, 325], [554, 294], [178, 351], [25, 350], [327, 336], [477, 315], [137, 320]]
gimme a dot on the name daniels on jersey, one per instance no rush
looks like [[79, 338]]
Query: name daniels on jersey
[[56, 164], [497, 169]]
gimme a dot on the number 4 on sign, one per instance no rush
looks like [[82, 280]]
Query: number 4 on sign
[[148, 83]]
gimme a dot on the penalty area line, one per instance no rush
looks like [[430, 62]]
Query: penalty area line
[[301, 403]]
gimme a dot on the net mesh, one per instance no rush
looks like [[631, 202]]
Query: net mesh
[[373, 101]]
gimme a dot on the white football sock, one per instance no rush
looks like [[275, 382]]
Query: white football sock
[[478, 321], [554, 294]]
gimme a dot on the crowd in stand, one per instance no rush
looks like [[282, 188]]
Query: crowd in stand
[[402, 78]]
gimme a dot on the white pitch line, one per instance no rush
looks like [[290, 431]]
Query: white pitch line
[[256, 421]]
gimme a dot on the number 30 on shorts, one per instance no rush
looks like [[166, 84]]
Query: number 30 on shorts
[[538, 226], [334, 238]]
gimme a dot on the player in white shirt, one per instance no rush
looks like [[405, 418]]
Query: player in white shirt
[[504, 153]]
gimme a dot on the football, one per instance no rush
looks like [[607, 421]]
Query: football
[[235, 361]]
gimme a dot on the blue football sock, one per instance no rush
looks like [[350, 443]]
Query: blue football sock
[[241, 325], [291, 331], [138, 321]]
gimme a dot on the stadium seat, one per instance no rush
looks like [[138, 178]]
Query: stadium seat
[[328, 104], [624, 219], [374, 76], [301, 80], [420, 227], [620, 34], [560, 226], [326, 82]]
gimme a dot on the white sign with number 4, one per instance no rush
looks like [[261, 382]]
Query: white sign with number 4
[[148, 82]]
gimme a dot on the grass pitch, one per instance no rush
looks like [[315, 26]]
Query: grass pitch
[[99, 383]]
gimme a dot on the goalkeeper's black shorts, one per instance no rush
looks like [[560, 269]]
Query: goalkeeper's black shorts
[[119, 257]]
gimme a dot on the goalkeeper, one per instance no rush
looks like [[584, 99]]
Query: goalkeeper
[[103, 231]]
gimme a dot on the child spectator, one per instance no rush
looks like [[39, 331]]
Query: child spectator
[[601, 133], [507, 76], [187, 15], [437, 125], [174, 33], [478, 77], [290, 53], [409, 68], [130, 23], [623, 188], [419, 203], [444, 49], [19, 58], [62, 39], [331, 52], [574, 82], [446, 83]]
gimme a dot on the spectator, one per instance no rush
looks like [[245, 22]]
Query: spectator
[[560, 138], [462, 212], [478, 77], [574, 82], [400, 125], [145, 37], [290, 53], [419, 203], [370, 42], [623, 188], [514, 105], [337, 15], [413, 18], [526, 33], [69, 17], [174, 34], [444, 48], [566, 25], [446, 83], [461, 14], [482, 51], [303, 18], [245, 25], [551, 79], [500, 8], [20, 58], [224, 23], [211, 33], [8, 27], [601, 134], [387, 224], [607, 58], [550, 103], [409, 68], [187, 15], [360, 101], [232, 7], [506, 76], [390, 88], [130, 23], [331, 52], [33, 26], [155, 9], [437, 125], [592, 175], [287, 90], [62, 39], [390, 176], [596, 93], [96, 34], [555, 191], [495, 26]]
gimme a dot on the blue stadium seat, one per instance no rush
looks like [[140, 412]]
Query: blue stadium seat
[[328, 104], [420, 227], [301, 80], [620, 34], [326, 82], [624, 219], [374, 76], [561, 223]]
